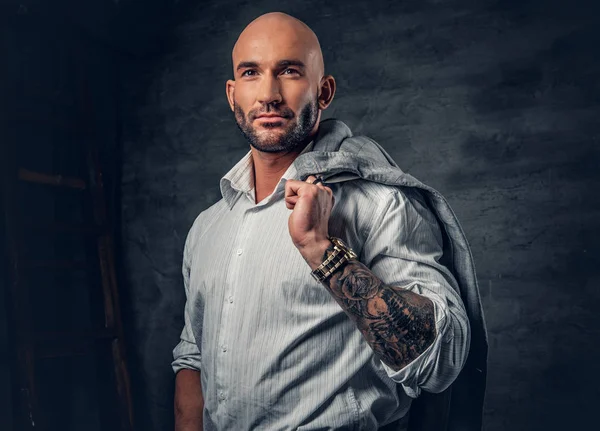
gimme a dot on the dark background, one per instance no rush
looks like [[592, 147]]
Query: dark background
[[494, 103]]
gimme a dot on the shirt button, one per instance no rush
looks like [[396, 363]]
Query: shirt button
[[239, 251], [230, 299], [224, 347], [221, 396]]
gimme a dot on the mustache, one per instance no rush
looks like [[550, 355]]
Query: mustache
[[282, 112]]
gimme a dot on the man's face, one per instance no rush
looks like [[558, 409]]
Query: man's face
[[274, 134], [274, 94]]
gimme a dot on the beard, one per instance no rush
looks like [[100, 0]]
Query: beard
[[294, 135]]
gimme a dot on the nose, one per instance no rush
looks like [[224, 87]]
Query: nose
[[269, 90]]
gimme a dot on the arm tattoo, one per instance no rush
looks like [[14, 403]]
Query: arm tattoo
[[398, 324]]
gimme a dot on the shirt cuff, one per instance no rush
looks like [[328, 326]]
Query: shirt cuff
[[413, 376], [186, 355]]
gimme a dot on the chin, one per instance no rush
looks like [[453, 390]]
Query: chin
[[269, 134], [270, 143]]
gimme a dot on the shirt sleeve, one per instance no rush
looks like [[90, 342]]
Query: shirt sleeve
[[404, 248], [187, 354]]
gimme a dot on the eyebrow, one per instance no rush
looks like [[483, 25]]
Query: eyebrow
[[282, 63]]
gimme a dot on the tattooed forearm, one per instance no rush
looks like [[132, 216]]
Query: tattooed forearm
[[398, 324]]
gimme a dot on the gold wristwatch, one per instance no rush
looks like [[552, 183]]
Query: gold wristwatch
[[341, 254]]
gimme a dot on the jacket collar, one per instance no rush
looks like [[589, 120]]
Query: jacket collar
[[339, 156]]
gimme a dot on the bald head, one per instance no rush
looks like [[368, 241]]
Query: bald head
[[277, 30], [279, 90]]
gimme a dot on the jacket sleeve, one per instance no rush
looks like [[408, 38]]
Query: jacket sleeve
[[403, 249], [187, 354]]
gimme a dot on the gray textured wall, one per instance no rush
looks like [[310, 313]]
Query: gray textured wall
[[493, 103]]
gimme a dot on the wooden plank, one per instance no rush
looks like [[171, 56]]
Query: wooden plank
[[55, 264], [123, 385], [66, 228], [20, 312], [111, 295], [51, 180]]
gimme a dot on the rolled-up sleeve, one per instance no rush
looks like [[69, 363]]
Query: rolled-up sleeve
[[187, 354], [403, 249]]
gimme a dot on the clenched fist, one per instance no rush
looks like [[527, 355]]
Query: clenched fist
[[311, 206]]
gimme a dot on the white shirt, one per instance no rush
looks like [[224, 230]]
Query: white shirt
[[275, 351]]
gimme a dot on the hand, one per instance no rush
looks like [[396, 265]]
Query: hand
[[311, 206]]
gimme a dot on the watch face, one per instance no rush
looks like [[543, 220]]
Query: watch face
[[341, 243]]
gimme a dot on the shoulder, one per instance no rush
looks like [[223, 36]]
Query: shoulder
[[379, 196], [363, 207]]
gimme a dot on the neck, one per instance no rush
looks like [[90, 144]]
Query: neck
[[269, 168]]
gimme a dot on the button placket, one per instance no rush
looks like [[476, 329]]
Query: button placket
[[222, 381]]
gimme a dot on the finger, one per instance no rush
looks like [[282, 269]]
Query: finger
[[290, 201], [294, 187], [318, 181], [313, 179], [329, 191], [290, 188]]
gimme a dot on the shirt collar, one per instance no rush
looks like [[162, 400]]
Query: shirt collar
[[240, 179]]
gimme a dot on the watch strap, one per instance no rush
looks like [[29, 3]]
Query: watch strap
[[340, 255]]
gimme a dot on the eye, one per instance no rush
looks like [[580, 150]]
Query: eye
[[248, 72], [291, 71]]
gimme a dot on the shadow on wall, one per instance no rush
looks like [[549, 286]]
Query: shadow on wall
[[532, 164]]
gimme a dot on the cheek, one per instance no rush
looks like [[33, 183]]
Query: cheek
[[298, 96], [244, 97]]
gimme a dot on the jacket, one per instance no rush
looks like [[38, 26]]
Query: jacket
[[338, 156]]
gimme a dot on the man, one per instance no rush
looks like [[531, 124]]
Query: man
[[317, 305]]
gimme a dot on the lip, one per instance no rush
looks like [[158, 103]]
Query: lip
[[270, 117]]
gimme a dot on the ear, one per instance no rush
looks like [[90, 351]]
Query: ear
[[326, 92], [230, 90]]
